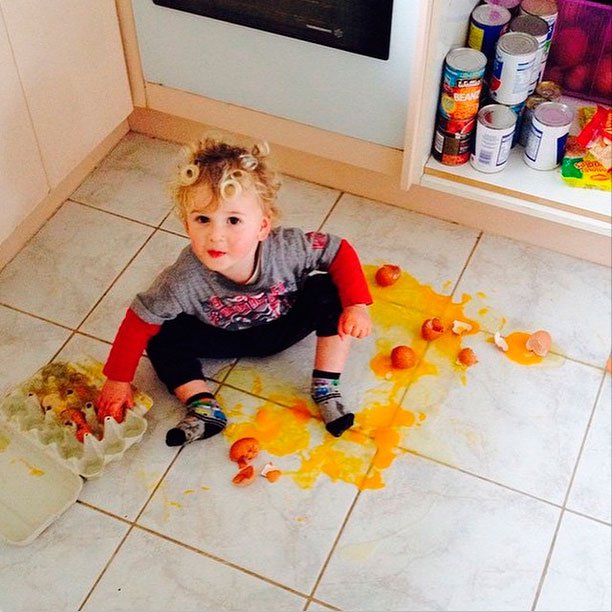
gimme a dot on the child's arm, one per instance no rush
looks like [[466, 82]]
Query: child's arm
[[130, 342], [348, 276]]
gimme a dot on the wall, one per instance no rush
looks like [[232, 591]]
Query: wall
[[334, 90]]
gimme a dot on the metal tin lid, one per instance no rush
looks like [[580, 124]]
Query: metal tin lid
[[518, 43], [530, 24], [490, 15], [509, 4], [541, 8], [534, 100], [554, 114], [465, 58], [497, 116]]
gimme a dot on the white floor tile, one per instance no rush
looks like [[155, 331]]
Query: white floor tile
[[431, 250], [67, 266], [592, 485], [578, 576], [58, 569], [438, 539], [281, 531], [27, 344], [133, 179], [521, 426], [529, 288], [150, 573]]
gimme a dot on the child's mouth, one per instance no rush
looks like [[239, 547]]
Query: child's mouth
[[216, 254]]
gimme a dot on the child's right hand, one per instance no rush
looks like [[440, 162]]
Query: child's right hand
[[115, 397]]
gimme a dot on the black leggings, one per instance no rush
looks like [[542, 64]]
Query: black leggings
[[175, 351]]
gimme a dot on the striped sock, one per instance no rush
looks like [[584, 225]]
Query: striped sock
[[204, 419], [325, 393]]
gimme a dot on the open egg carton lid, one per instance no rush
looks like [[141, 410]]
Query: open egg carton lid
[[51, 439]]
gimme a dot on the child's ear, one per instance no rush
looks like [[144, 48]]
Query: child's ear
[[264, 230]]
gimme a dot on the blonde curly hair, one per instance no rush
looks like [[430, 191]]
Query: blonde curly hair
[[225, 169]]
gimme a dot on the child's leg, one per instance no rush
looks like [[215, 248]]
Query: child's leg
[[330, 357]]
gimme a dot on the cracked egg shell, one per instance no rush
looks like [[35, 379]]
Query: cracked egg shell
[[539, 342], [244, 477], [243, 450], [387, 275], [403, 357], [467, 357], [432, 329]]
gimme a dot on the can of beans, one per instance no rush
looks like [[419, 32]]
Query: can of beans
[[462, 83], [515, 55], [550, 126], [451, 148], [548, 11], [486, 25], [494, 133], [533, 101], [538, 28]]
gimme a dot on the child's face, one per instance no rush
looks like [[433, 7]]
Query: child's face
[[225, 238]]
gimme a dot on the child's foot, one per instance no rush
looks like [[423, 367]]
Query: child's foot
[[204, 419], [326, 394]]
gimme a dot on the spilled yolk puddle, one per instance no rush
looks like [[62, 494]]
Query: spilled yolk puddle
[[360, 457]]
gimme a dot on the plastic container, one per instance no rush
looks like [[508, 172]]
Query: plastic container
[[50, 439], [580, 57]]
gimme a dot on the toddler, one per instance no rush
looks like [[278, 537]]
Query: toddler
[[242, 287]]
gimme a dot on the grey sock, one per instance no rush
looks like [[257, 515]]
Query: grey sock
[[326, 394], [204, 419]]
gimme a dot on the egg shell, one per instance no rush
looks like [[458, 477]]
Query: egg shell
[[539, 342]]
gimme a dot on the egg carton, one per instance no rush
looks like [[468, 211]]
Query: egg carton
[[51, 439]]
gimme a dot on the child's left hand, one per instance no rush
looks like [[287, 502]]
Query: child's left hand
[[355, 321]]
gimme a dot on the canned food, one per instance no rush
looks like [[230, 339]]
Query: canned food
[[511, 5], [494, 134], [462, 83], [533, 101], [550, 126], [454, 126], [548, 11], [486, 25], [515, 56], [549, 90], [538, 28], [451, 149]]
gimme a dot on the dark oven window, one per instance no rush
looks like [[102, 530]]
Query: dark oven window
[[358, 26]]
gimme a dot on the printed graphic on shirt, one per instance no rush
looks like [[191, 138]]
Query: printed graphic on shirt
[[242, 311], [317, 239]]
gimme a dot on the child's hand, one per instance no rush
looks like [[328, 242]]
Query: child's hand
[[355, 321], [114, 398]]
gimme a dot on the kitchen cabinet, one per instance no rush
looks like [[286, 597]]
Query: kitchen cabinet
[[22, 177], [69, 58], [517, 188]]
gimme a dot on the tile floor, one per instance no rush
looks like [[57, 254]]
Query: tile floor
[[498, 500]]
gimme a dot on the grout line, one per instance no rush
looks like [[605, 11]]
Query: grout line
[[466, 264], [330, 211], [566, 498], [110, 212]]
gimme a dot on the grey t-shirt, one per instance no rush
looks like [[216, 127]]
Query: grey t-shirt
[[287, 257]]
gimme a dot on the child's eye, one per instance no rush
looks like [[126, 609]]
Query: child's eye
[[201, 219], [233, 220]]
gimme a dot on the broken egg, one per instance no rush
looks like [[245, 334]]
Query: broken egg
[[387, 275], [244, 477], [271, 472], [461, 327], [432, 329], [403, 357], [243, 450], [500, 342], [539, 343], [467, 357]]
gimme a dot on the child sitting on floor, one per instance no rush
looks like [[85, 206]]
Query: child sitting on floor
[[242, 287]]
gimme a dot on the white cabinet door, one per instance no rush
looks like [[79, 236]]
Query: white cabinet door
[[70, 60], [22, 178]]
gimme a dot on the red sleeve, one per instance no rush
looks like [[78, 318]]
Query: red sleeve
[[348, 276], [130, 342]]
